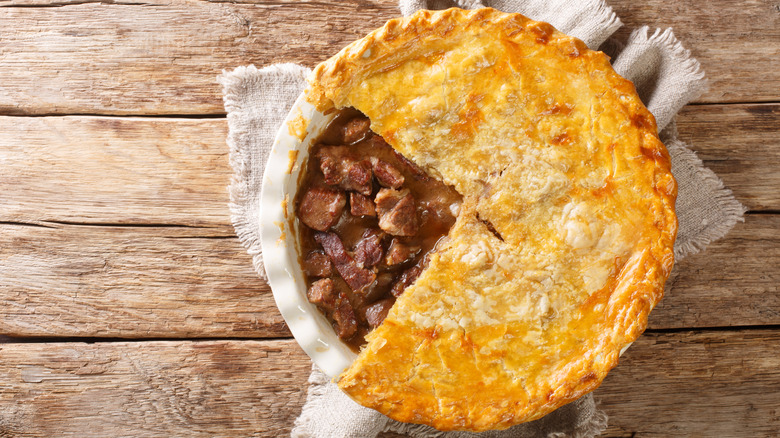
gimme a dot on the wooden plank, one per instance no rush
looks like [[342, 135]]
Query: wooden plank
[[144, 282], [671, 384], [154, 389], [714, 384], [117, 170], [162, 57], [736, 141], [729, 284], [149, 282], [722, 35]]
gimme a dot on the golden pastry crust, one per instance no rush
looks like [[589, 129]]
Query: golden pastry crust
[[553, 149]]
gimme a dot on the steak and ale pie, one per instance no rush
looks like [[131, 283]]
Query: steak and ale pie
[[488, 220]]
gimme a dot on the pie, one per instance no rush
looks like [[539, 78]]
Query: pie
[[563, 239]]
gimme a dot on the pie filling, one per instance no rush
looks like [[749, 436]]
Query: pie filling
[[370, 219]]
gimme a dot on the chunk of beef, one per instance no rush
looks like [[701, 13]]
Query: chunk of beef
[[377, 142], [321, 207], [356, 277], [399, 253], [358, 177], [397, 212], [386, 174], [317, 264], [355, 130], [344, 318], [323, 294], [387, 198], [341, 168], [361, 205], [377, 312], [330, 165], [406, 279], [368, 251]]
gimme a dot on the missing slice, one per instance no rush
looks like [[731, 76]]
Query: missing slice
[[371, 220]]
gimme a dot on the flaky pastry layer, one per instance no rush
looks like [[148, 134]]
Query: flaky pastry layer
[[555, 151]]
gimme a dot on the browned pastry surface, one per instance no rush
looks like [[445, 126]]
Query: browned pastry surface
[[564, 239]]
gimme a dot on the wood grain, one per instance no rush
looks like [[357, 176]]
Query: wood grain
[[151, 282], [734, 282], [736, 142], [113, 170], [162, 57], [137, 282], [711, 384], [142, 170], [154, 389], [117, 227], [737, 43], [716, 384]]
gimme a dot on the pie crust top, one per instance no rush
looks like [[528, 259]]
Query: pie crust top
[[565, 235]]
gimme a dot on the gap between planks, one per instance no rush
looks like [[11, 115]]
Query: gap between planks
[[222, 115], [56, 225], [5, 340], [60, 4], [10, 340]]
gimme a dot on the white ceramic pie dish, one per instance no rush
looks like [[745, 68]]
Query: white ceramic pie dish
[[279, 231]]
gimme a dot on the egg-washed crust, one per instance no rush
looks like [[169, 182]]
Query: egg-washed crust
[[553, 149]]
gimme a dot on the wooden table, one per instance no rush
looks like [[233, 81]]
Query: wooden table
[[129, 308]]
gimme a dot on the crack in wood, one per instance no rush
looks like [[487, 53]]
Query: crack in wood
[[129, 116], [75, 3], [98, 340], [363, 5], [765, 107], [126, 225], [734, 328], [25, 224]]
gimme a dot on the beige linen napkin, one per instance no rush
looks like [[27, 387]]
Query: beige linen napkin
[[666, 77]]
